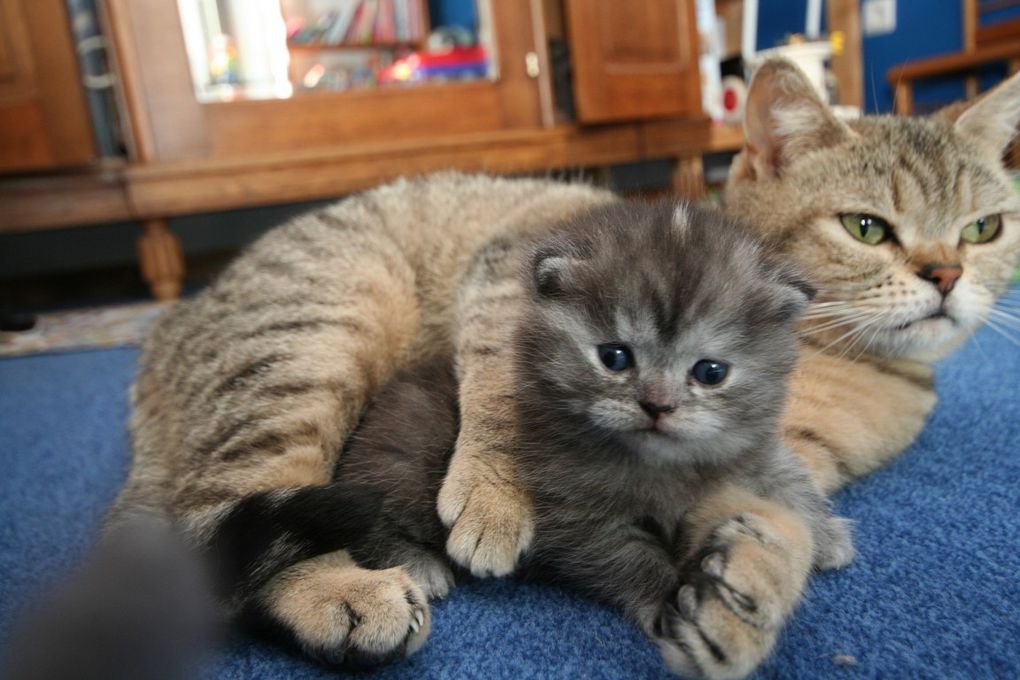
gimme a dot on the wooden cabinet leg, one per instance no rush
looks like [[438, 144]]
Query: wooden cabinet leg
[[161, 259], [689, 177]]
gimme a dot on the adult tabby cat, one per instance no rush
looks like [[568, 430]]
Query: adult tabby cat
[[246, 393], [650, 369]]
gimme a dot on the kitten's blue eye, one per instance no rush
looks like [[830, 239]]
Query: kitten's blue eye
[[708, 372], [616, 357]]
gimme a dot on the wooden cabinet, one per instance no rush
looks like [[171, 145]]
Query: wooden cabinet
[[634, 59], [43, 119], [172, 125], [636, 84]]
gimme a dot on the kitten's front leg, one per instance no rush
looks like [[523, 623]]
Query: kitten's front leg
[[742, 579], [482, 500]]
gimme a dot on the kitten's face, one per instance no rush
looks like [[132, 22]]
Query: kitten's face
[[668, 330], [910, 226]]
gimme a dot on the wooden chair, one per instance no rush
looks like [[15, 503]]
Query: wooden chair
[[982, 44]]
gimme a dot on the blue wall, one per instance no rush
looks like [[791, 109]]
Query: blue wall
[[924, 28], [454, 13]]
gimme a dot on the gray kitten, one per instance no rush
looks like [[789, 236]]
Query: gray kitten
[[651, 368]]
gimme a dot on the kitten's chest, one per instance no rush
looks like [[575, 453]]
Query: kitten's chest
[[630, 493]]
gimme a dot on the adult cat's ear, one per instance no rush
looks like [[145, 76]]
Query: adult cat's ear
[[784, 118], [992, 118]]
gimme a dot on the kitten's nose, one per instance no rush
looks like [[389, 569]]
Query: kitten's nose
[[944, 276], [656, 410]]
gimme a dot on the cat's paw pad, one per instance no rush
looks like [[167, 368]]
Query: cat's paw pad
[[363, 618], [834, 546], [490, 521]]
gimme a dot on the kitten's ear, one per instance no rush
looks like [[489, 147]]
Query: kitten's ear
[[991, 119], [797, 292], [784, 118], [551, 269]]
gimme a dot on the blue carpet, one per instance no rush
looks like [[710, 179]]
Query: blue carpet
[[934, 592]]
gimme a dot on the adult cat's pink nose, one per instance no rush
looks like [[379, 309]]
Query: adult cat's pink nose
[[944, 276]]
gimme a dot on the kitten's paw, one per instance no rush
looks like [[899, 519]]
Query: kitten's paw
[[490, 519], [432, 574], [834, 546], [352, 617], [737, 593]]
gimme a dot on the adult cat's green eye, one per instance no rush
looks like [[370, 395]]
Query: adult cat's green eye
[[982, 230], [867, 228]]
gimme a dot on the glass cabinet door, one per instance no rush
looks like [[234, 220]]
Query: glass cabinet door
[[278, 49], [243, 79]]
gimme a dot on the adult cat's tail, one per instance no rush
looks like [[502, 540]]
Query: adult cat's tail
[[269, 531]]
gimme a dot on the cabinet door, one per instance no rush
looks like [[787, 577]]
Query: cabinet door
[[634, 60], [171, 122], [43, 119]]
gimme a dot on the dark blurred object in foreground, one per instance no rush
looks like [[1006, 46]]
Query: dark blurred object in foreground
[[139, 608]]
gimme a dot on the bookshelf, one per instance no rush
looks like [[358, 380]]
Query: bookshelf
[[356, 23]]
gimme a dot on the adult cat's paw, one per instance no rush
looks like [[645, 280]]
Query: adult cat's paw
[[348, 616], [489, 516], [737, 592]]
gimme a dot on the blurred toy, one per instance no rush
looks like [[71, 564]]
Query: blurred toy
[[455, 63]]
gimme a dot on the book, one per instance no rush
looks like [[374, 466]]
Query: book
[[365, 25], [341, 25], [400, 25], [385, 31]]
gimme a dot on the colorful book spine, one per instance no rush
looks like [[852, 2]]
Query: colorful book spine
[[385, 31], [365, 28], [341, 26]]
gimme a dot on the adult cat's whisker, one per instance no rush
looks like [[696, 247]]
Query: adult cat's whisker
[[852, 333], [836, 323], [829, 311], [1002, 331], [834, 316], [1009, 320], [867, 344], [856, 336]]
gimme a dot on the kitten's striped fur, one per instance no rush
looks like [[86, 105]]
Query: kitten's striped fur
[[253, 386]]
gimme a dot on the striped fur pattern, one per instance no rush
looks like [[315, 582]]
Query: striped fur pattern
[[622, 497], [250, 389], [247, 393], [863, 387]]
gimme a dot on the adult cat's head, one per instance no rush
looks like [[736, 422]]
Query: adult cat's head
[[910, 226], [664, 327]]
